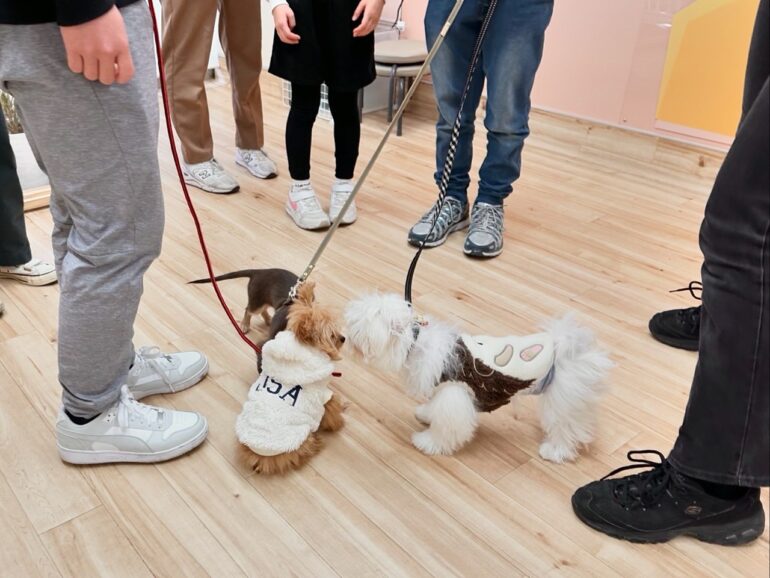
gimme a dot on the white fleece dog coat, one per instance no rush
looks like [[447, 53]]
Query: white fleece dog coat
[[286, 403]]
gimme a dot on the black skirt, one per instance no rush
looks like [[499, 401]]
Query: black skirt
[[327, 52]]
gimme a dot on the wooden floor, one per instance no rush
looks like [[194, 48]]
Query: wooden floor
[[602, 222]]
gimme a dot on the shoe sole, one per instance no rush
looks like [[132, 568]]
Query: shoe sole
[[453, 229], [482, 254], [82, 458], [686, 344], [186, 384], [733, 534], [190, 180], [36, 280], [266, 177], [318, 228]]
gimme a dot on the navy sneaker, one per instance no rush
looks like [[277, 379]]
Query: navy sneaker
[[452, 217], [485, 236]]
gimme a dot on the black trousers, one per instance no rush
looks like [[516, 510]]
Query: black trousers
[[14, 247], [343, 104], [724, 437]]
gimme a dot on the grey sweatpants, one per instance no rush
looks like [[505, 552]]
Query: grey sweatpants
[[99, 147]]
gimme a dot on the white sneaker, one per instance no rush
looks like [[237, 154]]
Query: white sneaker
[[340, 192], [130, 432], [209, 176], [256, 162], [303, 206], [155, 372], [36, 272]]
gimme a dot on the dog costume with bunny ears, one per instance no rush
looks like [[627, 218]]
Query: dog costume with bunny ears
[[286, 403]]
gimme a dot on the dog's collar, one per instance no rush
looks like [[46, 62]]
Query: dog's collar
[[417, 325], [544, 382]]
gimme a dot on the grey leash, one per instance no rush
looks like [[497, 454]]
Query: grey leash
[[367, 169]]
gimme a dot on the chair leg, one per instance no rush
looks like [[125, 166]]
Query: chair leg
[[402, 83], [391, 92]]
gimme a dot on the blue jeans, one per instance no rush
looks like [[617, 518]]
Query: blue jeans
[[509, 59]]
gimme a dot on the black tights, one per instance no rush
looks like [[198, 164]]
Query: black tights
[[299, 129]]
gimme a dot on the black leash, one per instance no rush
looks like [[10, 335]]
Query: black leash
[[450, 156]]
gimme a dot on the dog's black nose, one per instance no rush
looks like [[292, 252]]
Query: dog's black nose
[[342, 339]]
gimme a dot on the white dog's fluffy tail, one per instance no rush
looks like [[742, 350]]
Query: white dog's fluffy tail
[[569, 404]]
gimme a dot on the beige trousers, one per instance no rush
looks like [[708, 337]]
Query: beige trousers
[[188, 27]]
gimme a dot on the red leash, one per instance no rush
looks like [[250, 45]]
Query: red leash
[[187, 198]]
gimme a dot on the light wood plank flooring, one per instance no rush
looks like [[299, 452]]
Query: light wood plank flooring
[[602, 222]]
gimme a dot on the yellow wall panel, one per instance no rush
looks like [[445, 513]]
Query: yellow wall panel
[[702, 84]]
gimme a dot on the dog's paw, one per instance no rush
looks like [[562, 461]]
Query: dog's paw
[[421, 414], [424, 442], [244, 327], [557, 453]]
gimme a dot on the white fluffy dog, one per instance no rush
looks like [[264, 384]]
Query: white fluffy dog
[[460, 375]]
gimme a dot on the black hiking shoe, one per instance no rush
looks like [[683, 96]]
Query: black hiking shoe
[[661, 504], [679, 328]]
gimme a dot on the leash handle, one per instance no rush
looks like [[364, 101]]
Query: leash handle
[[376, 155], [175, 154], [452, 149]]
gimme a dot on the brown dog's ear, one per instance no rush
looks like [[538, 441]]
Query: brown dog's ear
[[306, 293]]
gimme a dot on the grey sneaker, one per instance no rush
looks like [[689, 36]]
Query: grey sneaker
[[154, 372], [485, 236], [130, 432], [453, 217]]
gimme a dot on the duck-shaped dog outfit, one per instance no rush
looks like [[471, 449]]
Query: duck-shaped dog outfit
[[286, 403]]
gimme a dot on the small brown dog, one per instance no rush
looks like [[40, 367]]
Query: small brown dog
[[291, 400], [268, 289]]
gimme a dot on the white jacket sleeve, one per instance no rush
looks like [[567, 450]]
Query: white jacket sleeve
[[275, 3]]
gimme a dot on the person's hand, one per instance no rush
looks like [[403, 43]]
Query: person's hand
[[98, 49], [371, 11], [283, 16]]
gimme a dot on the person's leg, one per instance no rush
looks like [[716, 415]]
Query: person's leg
[[347, 137], [14, 246], [708, 485], [303, 205], [99, 146], [449, 71], [732, 379], [240, 33], [758, 66], [347, 131], [512, 51], [681, 327], [188, 28], [305, 100]]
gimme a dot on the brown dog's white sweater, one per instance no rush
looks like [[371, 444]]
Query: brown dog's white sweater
[[286, 403]]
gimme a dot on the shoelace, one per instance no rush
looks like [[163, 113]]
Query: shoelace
[[205, 172], [254, 156], [129, 408], [487, 219], [153, 357], [690, 317], [645, 489], [693, 287], [450, 212]]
